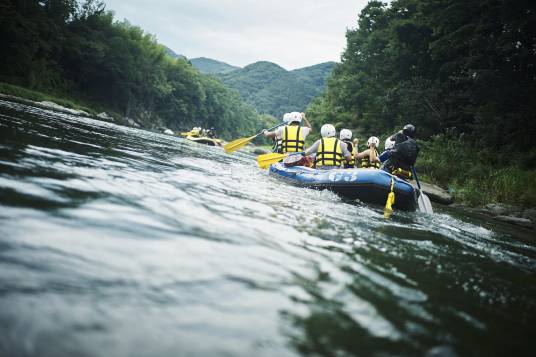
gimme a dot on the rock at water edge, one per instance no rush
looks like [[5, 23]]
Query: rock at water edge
[[105, 116], [529, 214], [523, 222], [436, 193], [501, 209]]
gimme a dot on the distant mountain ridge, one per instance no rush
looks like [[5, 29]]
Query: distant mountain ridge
[[268, 87], [211, 66], [273, 90]]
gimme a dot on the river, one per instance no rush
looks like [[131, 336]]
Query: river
[[116, 241]]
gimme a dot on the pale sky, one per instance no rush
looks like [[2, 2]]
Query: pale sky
[[291, 33]]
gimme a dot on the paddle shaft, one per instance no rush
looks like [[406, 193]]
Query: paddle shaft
[[416, 178], [272, 128], [239, 143], [423, 199]]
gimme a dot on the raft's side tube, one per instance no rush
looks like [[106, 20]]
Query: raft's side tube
[[367, 185]]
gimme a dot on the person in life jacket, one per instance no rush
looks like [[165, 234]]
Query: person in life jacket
[[276, 147], [329, 151], [403, 154], [293, 135], [388, 146], [346, 136], [211, 133], [195, 132], [369, 157]]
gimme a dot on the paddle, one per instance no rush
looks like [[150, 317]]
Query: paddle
[[424, 202], [239, 143], [266, 160]]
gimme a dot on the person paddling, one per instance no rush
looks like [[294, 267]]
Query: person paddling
[[388, 146], [329, 151], [346, 137], [211, 133], [277, 141], [404, 153], [293, 135], [369, 157]]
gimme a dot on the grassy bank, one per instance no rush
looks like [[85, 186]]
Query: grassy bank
[[476, 177], [21, 92]]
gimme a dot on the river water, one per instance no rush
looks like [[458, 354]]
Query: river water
[[121, 242]]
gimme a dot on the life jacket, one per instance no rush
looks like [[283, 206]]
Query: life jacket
[[351, 164], [403, 174], [276, 147], [404, 155], [292, 139], [365, 162], [329, 153]]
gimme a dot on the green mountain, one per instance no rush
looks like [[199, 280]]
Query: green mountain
[[210, 66], [273, 90], [316, 74]]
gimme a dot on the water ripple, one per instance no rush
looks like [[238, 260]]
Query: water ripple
[[137, 243]]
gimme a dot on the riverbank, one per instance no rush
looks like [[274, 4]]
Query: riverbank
[[497, 184], [32, 97], [41, 100]]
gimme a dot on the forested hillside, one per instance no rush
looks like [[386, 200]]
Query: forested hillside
[[452, 66], [463, 72], [210, 66], [273, 90], [76, 50]]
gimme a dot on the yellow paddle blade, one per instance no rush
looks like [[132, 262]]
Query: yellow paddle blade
[[266, 160], [237, 144], [388, 210]]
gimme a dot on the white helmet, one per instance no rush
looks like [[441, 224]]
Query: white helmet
[[345, 134], [389, 144], [328, 131], [374, 140], [286, 118], [295, 117]]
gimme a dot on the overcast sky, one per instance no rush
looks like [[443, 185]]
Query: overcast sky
[[291, 33]]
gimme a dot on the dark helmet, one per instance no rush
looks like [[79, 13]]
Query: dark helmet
[[409, 130]]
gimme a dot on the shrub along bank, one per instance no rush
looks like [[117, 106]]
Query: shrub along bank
[[478, 177], [20, 92]]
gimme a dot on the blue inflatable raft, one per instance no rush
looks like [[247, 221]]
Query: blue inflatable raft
[[367, 185]]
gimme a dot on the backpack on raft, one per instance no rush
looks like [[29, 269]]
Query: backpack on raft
[[297, 160], [404, 154]]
